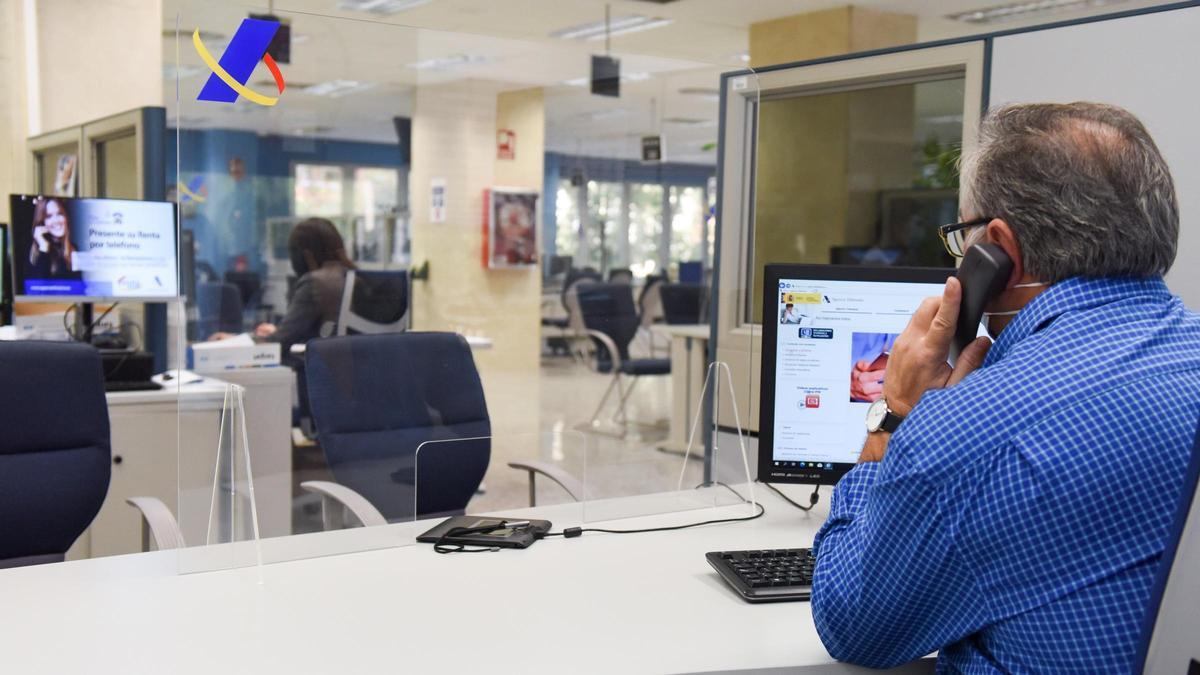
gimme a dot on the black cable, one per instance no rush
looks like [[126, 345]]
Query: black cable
[[572, 532], [812, 499]]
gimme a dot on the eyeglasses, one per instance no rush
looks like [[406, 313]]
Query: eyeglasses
[[954, 235]]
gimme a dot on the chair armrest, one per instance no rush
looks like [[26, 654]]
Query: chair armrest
[[609, 345], [350, 500], [160, 522], [565, 480]]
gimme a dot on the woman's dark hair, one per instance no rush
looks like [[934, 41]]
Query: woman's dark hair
[[313, 243]]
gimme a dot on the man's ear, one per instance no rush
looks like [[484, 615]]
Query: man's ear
[[1000, 234]]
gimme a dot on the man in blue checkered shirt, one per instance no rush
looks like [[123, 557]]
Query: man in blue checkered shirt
[[1014, 518]]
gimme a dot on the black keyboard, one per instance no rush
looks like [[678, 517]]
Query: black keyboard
[[773, 575], [144, 385]]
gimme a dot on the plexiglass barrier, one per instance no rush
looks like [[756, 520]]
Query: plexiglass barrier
[[564, 225]]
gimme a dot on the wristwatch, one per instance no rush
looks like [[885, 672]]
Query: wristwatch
[[881, 418]]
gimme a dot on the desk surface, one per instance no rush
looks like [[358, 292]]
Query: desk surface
[[698, 330], [601, 603]]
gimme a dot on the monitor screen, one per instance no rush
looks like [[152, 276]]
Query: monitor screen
[[5, 291], [827, 333], [93, 249]]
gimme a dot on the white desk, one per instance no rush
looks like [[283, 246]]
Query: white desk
[[165, 441], [473, 341], [636, 603], [689, 354]]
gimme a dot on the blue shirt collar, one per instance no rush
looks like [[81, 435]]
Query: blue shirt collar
[[1071, 294]]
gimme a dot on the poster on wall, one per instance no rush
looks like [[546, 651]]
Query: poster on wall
[[510, 227], [437, 200], [64, 176]]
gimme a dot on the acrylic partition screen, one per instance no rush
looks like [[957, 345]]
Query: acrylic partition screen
[[530, 227], [855, 164]]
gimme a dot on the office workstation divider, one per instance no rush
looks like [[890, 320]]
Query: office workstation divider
[[467, 160]]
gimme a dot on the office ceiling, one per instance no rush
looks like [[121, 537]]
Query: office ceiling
[[671, 71]]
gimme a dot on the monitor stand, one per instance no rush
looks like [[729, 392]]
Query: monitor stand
[[83, 322]]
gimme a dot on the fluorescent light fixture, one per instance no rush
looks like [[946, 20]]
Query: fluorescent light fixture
[[620, 25], [706, 93], [607, 114], [1025, 9], [448, 62], [381, 7], [583, 81], [689, 122], [337, 88]]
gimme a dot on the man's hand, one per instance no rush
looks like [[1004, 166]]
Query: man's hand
[[918, 360]]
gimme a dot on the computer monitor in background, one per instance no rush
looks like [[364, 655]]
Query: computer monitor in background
[[91, 250], [5, 286], [864, 255], [691, 272], [827, 333], [187, 265]]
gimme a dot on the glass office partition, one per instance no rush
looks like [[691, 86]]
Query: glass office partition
[[476, 186]]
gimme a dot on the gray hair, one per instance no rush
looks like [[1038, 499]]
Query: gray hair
[[1082, 185]]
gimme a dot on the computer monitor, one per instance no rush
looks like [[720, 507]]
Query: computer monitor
[[823, 325], [92, 250], [5, 287]]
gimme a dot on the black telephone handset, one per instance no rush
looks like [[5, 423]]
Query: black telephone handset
[[983, 274]]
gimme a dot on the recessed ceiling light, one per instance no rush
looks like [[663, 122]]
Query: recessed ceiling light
[[620, 25], [448, 62], [381, 7], [337, 88], [1025, 9]]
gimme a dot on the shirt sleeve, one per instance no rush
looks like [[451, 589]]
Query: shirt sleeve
[[302, 322], [890, 586]]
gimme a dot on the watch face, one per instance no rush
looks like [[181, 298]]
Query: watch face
[[875, 414]]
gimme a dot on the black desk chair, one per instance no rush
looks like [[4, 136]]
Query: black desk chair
[[248, 284], [376, 399], [612, 322], [218, 308], [571, 325], [684, 303], [1168, 643], [375, 302], [55, 457]]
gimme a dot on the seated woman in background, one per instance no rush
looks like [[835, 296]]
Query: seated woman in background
[[320, 262]]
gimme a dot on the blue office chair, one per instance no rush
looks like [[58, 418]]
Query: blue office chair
[[376, 398], [1168, 643], [55, 457], [684, 303], [612, 322]]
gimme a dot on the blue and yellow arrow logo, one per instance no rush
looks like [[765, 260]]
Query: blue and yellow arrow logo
[[245, 50]]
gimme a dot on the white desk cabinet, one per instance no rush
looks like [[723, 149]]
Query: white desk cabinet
[[166, 440]]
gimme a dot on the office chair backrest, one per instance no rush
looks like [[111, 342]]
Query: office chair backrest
[[620, 275], [683, 303], [1169, 643], [376, 398], [374, 302], [219, 307], [650, 302], [608, 308], [570, 295], [55, 457]]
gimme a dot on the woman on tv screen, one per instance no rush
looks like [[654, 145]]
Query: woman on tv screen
[[51, 251]]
